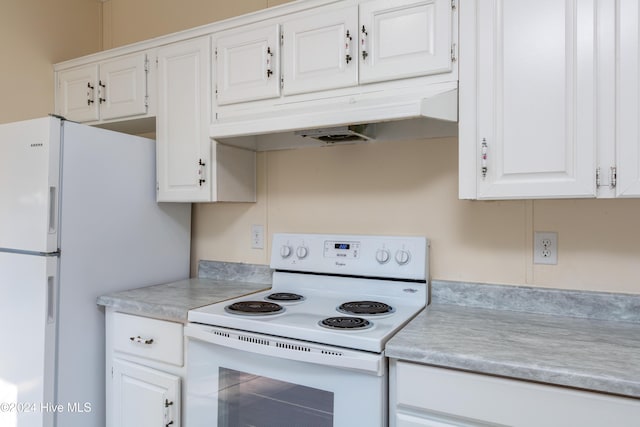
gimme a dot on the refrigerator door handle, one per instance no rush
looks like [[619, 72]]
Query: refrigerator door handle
[[51, 300], [53, 209]]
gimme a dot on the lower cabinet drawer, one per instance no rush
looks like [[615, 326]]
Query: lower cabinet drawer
[[151, 338]]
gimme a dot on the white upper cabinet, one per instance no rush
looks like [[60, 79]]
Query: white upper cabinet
[[190, 166], [123, 87], [247, 65], [320, 51], [404, 38], [110, 89], [528, 99], [628, 100], [77, 93], [184, 148]]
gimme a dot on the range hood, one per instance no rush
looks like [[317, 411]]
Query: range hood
[[431, 111]]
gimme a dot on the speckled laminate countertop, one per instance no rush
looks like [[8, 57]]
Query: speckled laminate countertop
[[172, 301], [586, 353]]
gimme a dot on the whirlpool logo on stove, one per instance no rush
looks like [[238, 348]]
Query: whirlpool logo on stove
[[341, 264], [36, 144]]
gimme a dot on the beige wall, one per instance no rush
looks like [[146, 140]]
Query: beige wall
[[411, 188], [36, 34], [127, 21]]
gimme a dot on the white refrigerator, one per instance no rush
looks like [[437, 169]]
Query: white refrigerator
[[78, 219]]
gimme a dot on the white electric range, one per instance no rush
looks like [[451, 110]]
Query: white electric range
[[297, 351]]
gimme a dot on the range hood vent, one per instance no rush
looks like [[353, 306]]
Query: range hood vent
[[430, 111], [339, 135]]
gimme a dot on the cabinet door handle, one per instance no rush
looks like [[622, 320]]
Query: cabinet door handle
[[201, 172], [140, 340], [347, 47], [364, 36], [483, 157], [91, 94], [102, 92], [269, 62]]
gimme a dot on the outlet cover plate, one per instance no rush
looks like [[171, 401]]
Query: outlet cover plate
[[545, 247]]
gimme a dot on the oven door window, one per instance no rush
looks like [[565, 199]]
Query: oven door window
[[245, 399]]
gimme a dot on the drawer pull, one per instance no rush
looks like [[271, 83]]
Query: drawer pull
[[141, 340]]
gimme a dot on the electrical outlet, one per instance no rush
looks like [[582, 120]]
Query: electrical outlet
[[545, 248], [257, 236]]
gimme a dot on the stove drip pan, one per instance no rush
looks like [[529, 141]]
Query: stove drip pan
[[365, 307], [342, 323], [253, 308]]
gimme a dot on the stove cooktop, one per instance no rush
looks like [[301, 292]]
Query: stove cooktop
[[321, 295]]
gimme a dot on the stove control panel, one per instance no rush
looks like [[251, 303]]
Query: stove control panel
[[360, 255]]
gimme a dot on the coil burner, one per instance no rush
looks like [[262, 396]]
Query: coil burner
[[285, 297], [365, 308], [253, 308], [343, 323]]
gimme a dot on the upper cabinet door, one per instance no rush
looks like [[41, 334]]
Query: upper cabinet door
[[628, 96], [78, 93], [123, 87], [248, 65], [404, 38], [321, 51], [529, 112], [182, 124]]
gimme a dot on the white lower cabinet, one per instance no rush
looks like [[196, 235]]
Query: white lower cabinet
[[422, 395], [144, 397], [145, 371]]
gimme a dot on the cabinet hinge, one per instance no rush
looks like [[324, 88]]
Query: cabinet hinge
[[281, 82], [146, 65], [281, 39], [453, 52], [453, 4], [215, 53], [146, 101], [613, 177]]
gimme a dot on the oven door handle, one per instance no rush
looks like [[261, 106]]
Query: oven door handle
[[283, 348]]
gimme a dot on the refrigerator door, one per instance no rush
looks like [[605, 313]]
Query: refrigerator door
[[29, 177], [113, 236], [28, 290]]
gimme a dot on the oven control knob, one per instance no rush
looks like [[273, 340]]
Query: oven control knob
[[383, 256], [403, 257], [285, 251], [301, 252]]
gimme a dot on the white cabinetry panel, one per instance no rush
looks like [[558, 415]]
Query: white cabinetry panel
[[183, 151], [107, 90], [77, 94], [123, 84], [437, 397], [628, 95], [529, 112], [404, 38], [248, 65], [144, 397], [320, 51]]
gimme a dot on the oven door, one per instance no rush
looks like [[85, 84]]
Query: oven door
[[238, 379]]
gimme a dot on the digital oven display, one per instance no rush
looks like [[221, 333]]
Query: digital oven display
[[342, 250]]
